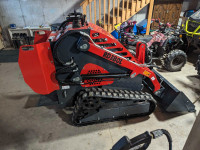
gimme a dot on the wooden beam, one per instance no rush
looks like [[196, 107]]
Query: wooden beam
[[90, 12], [127, 8], [138, 5], [149, 16], [108, 15], [104, 13], [113, 19], [118, 21], [84, 2], [143, 3], [100, 12], [132, 7], [95, 11], [123, 14], [84, 9]]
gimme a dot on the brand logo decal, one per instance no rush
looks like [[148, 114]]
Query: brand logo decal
[[112, 58]]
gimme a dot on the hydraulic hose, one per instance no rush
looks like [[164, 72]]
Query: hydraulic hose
[[142, 141], [159, 132], [169, 138]]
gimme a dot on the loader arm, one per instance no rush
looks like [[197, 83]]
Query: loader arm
[[134, 64], [135, 67]]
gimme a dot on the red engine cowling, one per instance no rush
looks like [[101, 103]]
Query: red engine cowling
[[37, 64]]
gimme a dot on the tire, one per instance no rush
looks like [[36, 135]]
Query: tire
[[174, 60], [198, 65]]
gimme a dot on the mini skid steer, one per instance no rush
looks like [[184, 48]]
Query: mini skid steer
[[84, 67]]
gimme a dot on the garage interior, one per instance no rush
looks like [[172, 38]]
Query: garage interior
[[25, 126]]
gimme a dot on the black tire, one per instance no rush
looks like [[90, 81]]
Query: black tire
[[174, 60], [198, 65]]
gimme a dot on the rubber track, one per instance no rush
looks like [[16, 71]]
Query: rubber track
[[112, 95]]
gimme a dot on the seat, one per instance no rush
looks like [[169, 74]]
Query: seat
[[145, 38]]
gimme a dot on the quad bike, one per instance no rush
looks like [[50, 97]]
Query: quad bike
[[162, 45], [191, 37], [84, 67], [142, 141]]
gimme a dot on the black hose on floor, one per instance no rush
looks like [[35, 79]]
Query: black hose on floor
[[159, 132]]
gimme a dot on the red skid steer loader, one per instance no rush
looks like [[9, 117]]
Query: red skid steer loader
[[84, 67]]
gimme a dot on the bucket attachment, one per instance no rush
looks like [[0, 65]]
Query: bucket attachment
[[170, 98]]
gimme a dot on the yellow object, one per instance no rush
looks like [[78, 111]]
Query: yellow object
[[117, 27], [191, 33], [146, 73]]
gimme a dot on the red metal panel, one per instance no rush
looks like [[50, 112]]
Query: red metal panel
[[94, 69], [37, 66], [140, 52], [41, 36]]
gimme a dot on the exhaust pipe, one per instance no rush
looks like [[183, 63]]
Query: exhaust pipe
[[170, 98]]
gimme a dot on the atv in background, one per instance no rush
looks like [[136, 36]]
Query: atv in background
[[163, 44], [191, 28], [191, 37]]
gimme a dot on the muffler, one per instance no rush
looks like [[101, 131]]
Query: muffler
[[169, 97]]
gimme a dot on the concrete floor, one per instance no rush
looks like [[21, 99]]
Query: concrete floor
[[26, 127]]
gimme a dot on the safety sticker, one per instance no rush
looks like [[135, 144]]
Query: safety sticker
[[146, 73]]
